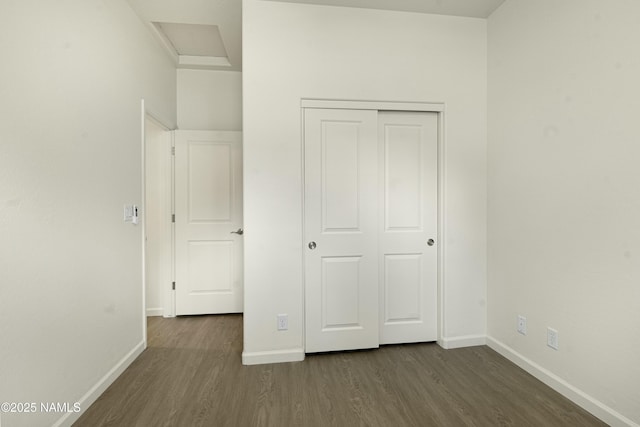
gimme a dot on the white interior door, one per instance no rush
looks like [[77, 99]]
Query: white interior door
[[341, 278], [208, 209], [408, 194]]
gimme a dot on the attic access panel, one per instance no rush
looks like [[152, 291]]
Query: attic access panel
[[194, 45]]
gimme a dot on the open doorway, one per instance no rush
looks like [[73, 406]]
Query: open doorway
[[158, 233]]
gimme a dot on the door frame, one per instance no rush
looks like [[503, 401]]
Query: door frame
[[147, 114], [427, 107], [166, 234]]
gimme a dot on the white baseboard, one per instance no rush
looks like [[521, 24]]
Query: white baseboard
[[572, 393], [155, 312], [277, 356], [92, 395], [459, 342]]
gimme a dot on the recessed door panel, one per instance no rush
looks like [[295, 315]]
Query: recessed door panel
[[340, 285], [402, 288], [340, 176], [209, 172], [403, 176], [210, 268]]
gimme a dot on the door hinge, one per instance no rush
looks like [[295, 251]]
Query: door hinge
[[173, 151], [173, 217], [173, 286]]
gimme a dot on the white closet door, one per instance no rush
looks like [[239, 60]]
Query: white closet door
[[341, 251], [408, 194]]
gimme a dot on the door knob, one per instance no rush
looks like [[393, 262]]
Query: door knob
[[239, 231], [312, 245], [430, 242]]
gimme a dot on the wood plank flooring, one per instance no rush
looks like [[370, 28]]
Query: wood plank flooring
[[191, 375]]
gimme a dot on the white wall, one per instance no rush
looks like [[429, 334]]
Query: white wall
[[563, 198], [209, 100], [71, 81], [293, 51]]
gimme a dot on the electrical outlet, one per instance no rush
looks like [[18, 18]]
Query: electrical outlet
[[552, 338], [522, 325], [283, 322]]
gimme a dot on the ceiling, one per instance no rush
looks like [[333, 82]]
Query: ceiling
[[208, 33], [469, 8]]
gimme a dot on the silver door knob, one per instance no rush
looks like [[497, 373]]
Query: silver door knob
[[239, 231], [312, 245], [430, 242]]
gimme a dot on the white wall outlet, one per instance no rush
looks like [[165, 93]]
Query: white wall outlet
[[552, 338], [283, 322], [522, 325]]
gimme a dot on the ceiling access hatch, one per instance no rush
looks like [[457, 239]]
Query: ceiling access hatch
[[193, 45]]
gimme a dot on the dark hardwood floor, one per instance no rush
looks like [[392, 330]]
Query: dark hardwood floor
[[191, 375]]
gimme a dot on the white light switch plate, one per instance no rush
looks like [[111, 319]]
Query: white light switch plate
[[128, 213]]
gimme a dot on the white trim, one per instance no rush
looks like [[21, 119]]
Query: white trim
[[155, 312], [167, 230], [170, 296], [275, 356], [373, 105], [303, 272], [188, 61], [579, 397], [166, 311], [442, 174], [143, 195], [166, 279], [460, 342], [94, 392]]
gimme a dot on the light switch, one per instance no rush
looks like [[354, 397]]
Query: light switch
[[128, 213]]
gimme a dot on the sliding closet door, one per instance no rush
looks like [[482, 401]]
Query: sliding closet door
[[408, 194], [371, 222], [341, 251]]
